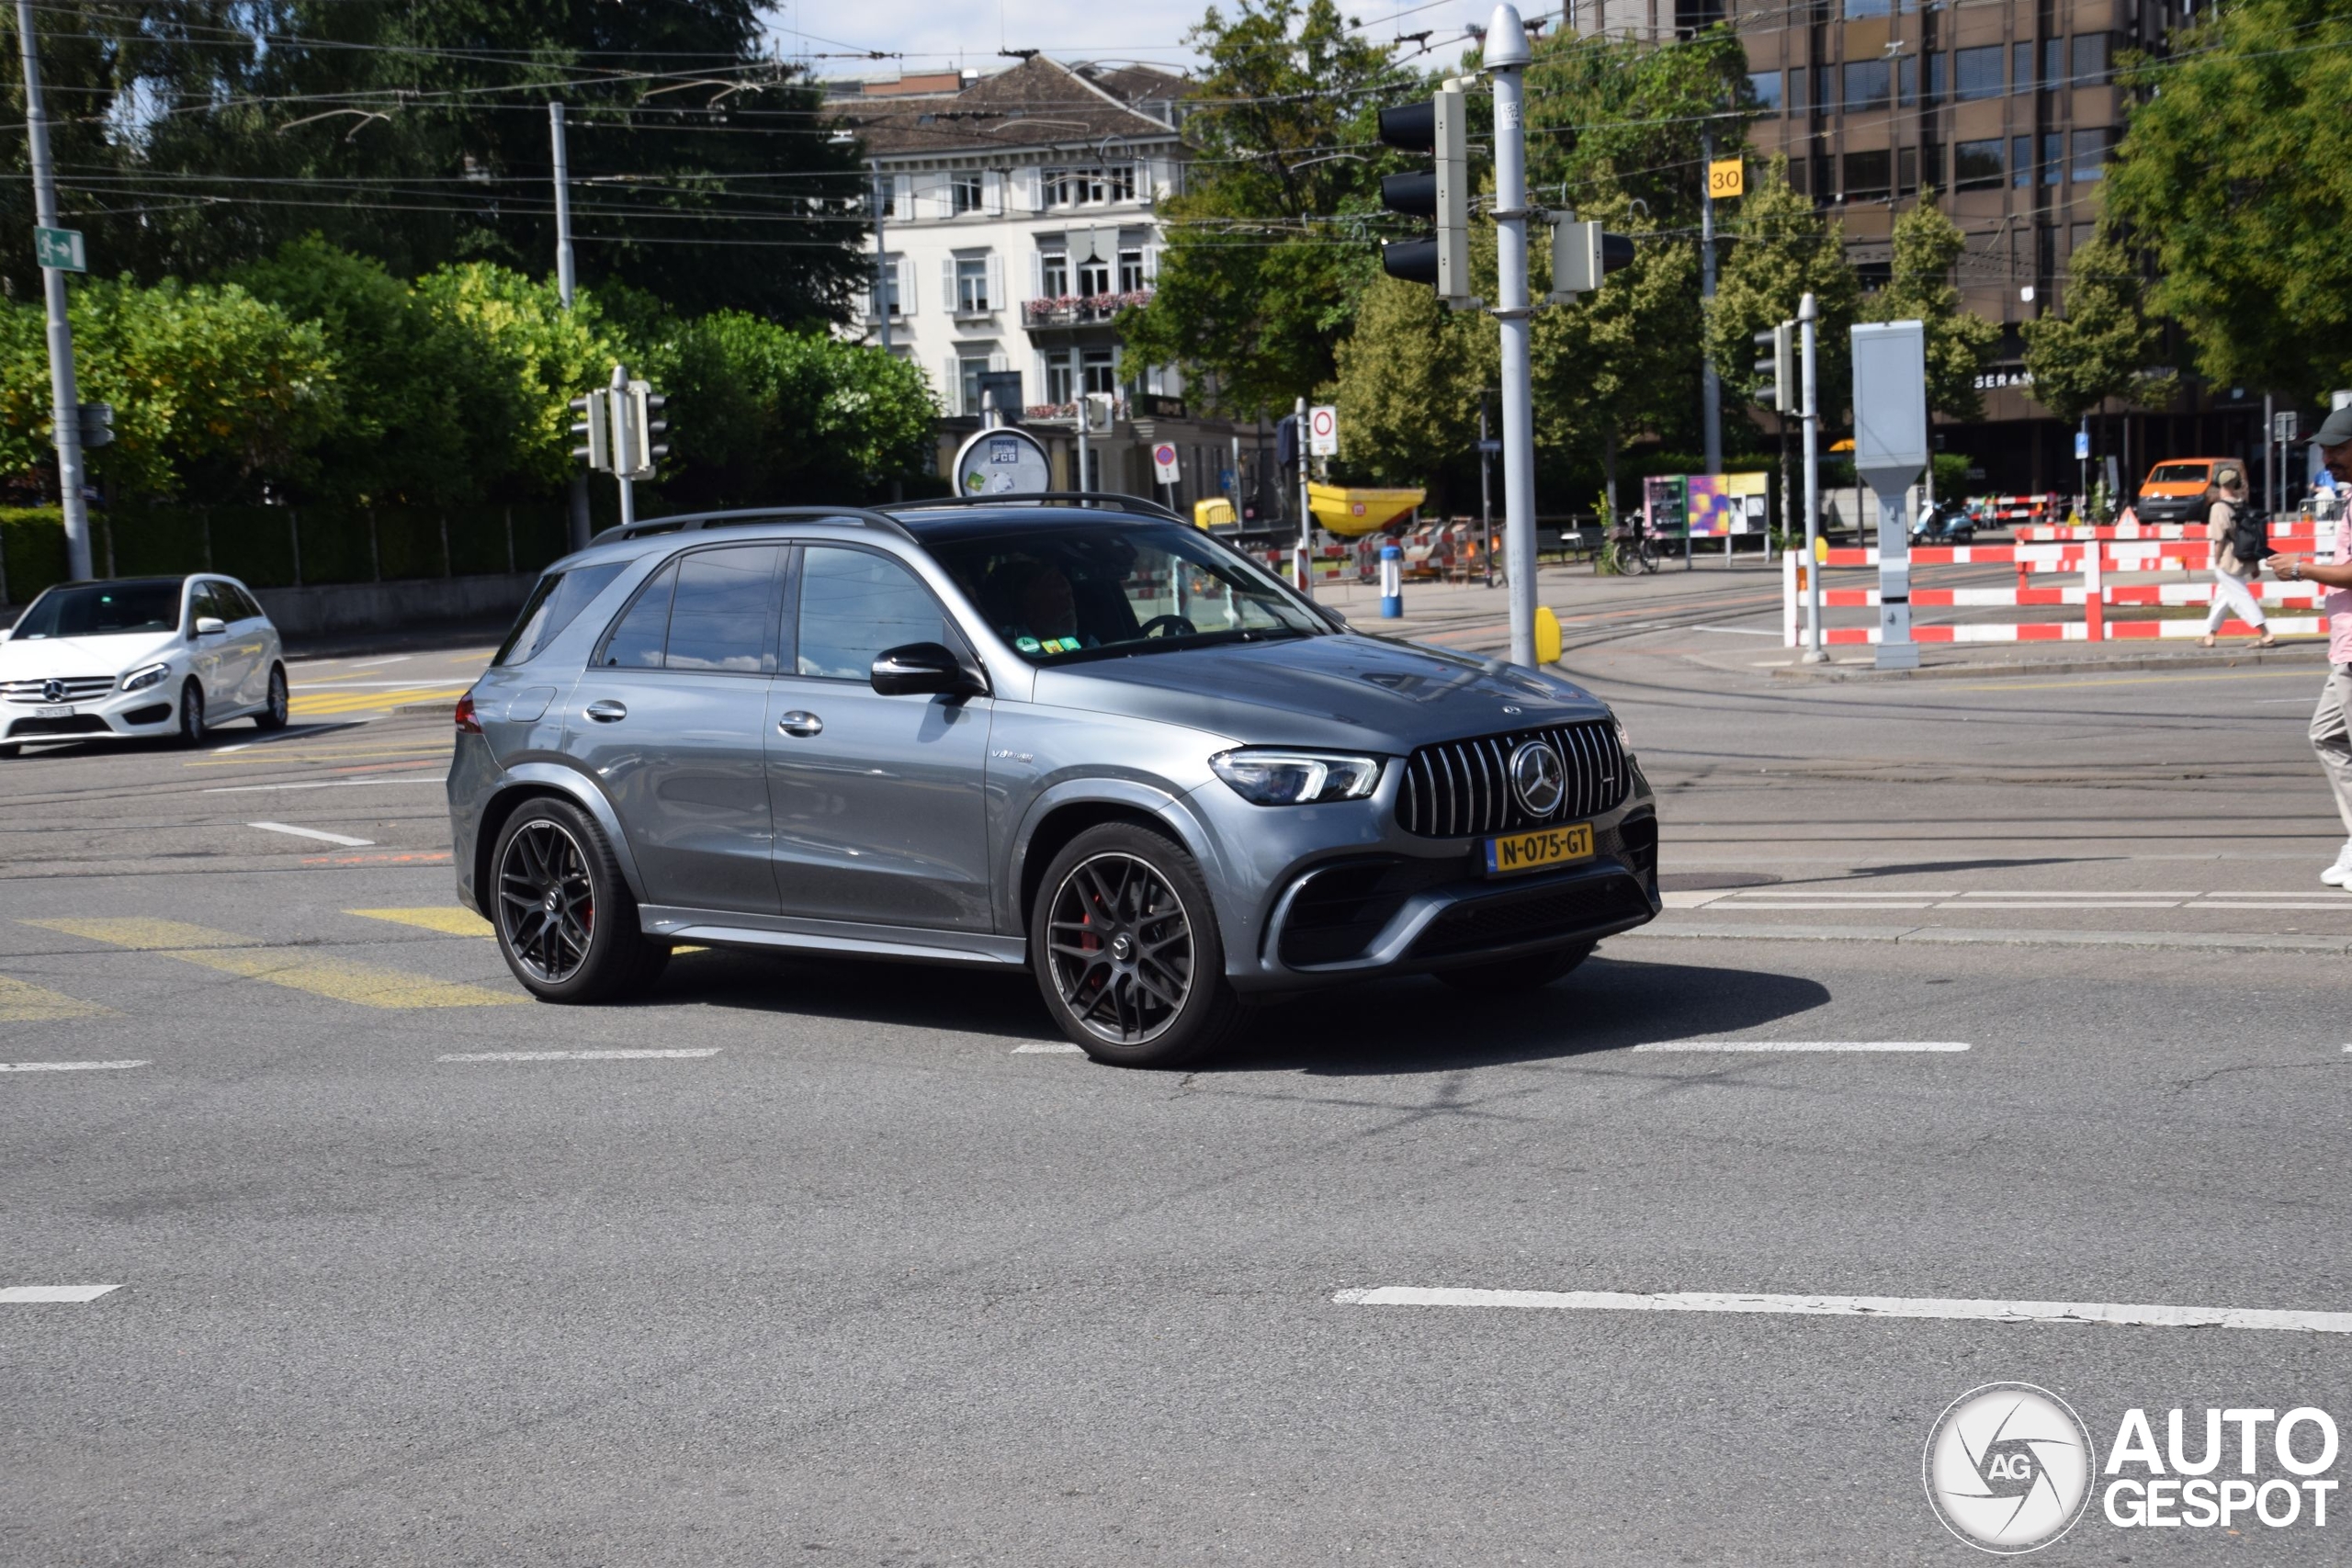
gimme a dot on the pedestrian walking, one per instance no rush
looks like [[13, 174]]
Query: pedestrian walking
[[2332, 721], [2224, 504]]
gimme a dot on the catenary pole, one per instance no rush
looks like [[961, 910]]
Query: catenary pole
[[564, 284], [1506, 56], [1486, 495], [1808, 312], [63, 399], [1711, 386], [1305, 549], [884, 295]]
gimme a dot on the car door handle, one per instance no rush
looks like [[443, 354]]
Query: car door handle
[[607, 711], [801, 724]]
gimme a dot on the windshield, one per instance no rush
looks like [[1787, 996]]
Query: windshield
[[103, 609], [2180, 473], [1066, 591]]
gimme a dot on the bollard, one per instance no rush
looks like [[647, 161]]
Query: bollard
[[1392, 585]]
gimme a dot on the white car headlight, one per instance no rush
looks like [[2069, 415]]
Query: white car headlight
[[1296, 778], [146, 676]]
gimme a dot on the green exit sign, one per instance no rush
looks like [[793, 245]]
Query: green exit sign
[[60, 248]]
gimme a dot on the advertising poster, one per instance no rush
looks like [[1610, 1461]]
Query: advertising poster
[[1723, 505]]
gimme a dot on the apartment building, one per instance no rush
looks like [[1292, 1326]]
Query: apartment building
[[1018, 219]]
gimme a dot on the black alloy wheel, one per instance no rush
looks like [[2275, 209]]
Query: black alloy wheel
[[191, 731], [273, 715], [566, 923], [1127, 952]]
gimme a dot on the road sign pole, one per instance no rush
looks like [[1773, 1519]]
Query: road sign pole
[[1711, 386], [63, 397], [1486, 495], [1505, 58], [563, 288], [1807, 313], [1300, 556]]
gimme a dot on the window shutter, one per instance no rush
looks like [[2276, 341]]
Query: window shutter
[[861, 303], [947, 285], [993, 193], [1036, 275], [1044, 390], [951, 386], [902, 195], [906, 286], [1150, 266], [996, 281], [1026, 192], [998, 360]]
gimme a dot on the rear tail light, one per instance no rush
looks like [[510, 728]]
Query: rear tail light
[[467, 723]]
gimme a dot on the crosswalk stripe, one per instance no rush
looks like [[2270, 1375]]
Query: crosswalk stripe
[[341, 979], [451, 921], [21, 1002]]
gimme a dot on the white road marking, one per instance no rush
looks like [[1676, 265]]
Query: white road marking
[[1803, 1045], [573, 1056], [28, 1294], [82, 1066], [2123, 1314], [1738, 631], [323, 836], [224, 750], [321, 784], [1747, 893], [1064, 1048], [1817, 904]]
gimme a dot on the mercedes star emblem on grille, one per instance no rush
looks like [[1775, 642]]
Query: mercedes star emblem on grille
[[1538, 777], [53, 690]]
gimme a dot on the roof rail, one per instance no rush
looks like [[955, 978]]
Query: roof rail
[[1133, 505], [750, 516]]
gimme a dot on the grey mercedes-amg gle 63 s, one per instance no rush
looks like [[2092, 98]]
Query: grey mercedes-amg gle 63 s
[[1063, 732]]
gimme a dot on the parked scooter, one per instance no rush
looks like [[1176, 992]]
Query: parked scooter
[[1945, 522]]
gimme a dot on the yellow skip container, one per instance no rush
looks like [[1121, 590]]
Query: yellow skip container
[[1350, 512]]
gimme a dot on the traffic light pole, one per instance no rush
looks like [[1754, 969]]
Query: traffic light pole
[[622, 443], [1304, 556], [1506, 57], [1710, 385], [63, 399], [1807, 313]]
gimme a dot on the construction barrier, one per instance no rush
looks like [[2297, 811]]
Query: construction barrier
[[2016, 508], [2094, 560], [2291, 532]]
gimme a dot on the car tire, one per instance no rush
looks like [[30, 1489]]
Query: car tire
[[1528, 972], [1122, 939], [11, 750], [191, 729], [274, 712], [565, 919]]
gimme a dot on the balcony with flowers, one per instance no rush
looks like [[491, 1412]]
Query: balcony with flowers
[[1080, 309]]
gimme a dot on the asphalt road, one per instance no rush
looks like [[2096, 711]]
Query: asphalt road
[[871, 1278]]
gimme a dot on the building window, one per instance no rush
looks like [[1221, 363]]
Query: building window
[[1939, 77], [1795, 87], [1797, 180], [1130, 271], [1060, 380], [1824, 89], [2091, 147], [1099, 367], [1093, 277], [963, 191], [2090, 60], [1906, 80], [1976, 165], [1765, 88], [1866, 176], [2053, 63], [1864, 10], [1825, 183], [1122, 182], [1053, 274], [2045, 252], [892, 266], [972, 285], [1978, 71], [1931, 166], [1087, 187], [2021, 160], [1866, 85], [1906, 171], [2021, 66], [885, 197], [970, 371], [2054, 156]]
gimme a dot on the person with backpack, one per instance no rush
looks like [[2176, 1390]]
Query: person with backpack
[[2240, 545], [2331, 730]]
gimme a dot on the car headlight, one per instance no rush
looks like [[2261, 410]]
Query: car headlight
[[138, 679], [1624, 741], [1296, 778]]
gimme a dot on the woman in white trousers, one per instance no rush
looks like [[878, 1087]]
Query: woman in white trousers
[[2224, 497]]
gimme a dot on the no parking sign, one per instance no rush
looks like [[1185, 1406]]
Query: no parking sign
[[1163, 462]]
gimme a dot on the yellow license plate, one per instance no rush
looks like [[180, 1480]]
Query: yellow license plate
[[1531, 851]]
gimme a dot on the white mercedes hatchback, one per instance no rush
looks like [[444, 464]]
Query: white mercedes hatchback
[[139, 656]]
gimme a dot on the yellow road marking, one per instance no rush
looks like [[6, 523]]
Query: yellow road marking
[[451, 921], [23, 1003], [343, 979], [358, 702]]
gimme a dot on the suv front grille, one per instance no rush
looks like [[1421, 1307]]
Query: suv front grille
[[78, 689], [1463, 788]]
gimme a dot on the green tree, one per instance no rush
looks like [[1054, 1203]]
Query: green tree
[[1779, 250], [531, 358], [2234, 173], [1959, 343], [1255, 288], [1408, 385], [2100, 347]]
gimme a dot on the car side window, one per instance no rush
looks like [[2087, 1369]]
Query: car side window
[[854, 605], [723, 617], [251, 606], [205, 601], [635, 642]]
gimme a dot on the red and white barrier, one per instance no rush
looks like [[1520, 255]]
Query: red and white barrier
[[2291, 529]]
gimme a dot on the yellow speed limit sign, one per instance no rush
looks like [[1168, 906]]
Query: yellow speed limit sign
[[1726, 177]]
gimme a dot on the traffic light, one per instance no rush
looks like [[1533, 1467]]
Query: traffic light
[[1583, 254], [95, 421], [636, 448], [1776, 368], [595, 423], [1439, 126]]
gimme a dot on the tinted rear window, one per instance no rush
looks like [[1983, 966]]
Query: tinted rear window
[[556, 600]]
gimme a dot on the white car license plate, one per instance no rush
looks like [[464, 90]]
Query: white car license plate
[[60, 711]]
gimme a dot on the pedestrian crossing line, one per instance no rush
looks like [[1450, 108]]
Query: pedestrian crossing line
[[71, 1067], [23, 1002], [450, 921], [52, 1295], [340, 980]]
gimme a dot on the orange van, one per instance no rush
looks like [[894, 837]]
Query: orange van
[[2171, 492]]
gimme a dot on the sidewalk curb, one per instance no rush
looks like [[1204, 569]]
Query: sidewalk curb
[[2290, 654], [2214, 941]]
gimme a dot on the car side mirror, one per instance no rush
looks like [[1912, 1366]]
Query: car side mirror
[[921, 669], [210, 625]]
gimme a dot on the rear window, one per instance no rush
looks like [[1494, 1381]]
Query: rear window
[[2181, 474], [556, 600]]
